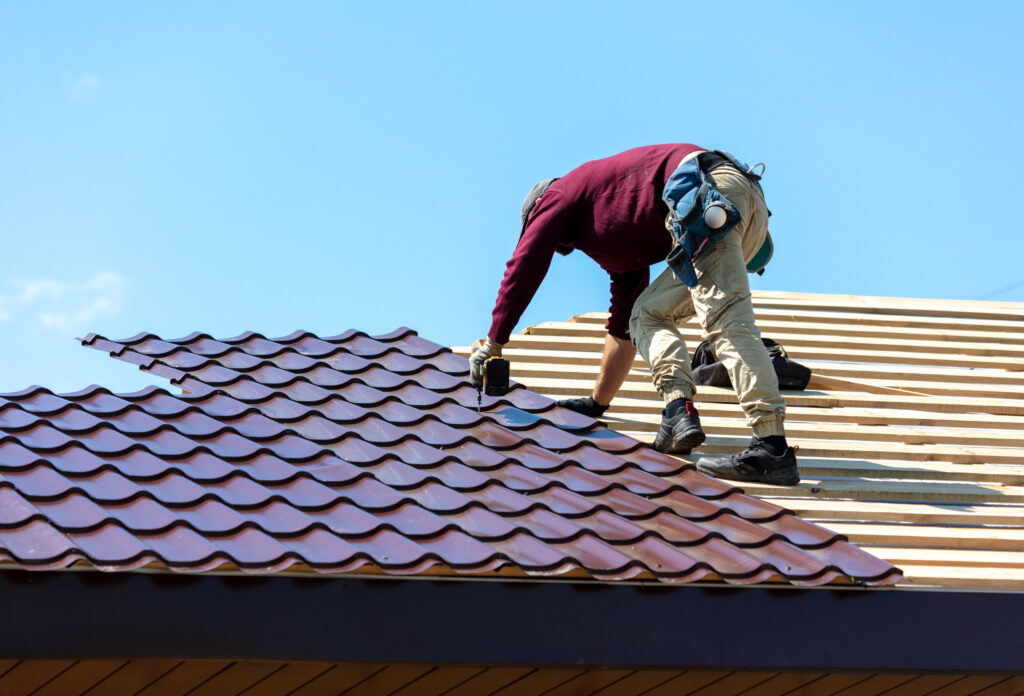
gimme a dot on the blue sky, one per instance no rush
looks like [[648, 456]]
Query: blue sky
[[274, 166]]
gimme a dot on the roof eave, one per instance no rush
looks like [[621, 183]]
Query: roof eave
[[140, 615]]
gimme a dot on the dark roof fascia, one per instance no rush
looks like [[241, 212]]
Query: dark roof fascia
[[162, 615]]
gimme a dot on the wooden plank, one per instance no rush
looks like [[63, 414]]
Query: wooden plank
[[735, 683], [184, 677], [590, 681], [853, 325], [390, 679], [916, 471], [970, 685], [877, 684], [785, 684], [556, 388], [961, 309], [961, 558], [623, 408], [488, 681], [439, 681], [857, 317], [821, 382], [920, 373], [955, 577], [889, 490], [639, 682], [238, 677], [913, 352], [687, 683], [28, 675], [880, 304], [81, 677], [911, 513], [918, 536], [866, 450], [288, 678], [132, 677], [824, 379], [871, 380], [847, 376], [539, 681], [338, 678], [1012, 686], [798, 336], [979, 439], [924, 684]]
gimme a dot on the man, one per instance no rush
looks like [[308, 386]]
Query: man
[[613, 210]]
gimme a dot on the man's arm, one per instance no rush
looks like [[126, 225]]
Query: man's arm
[[529, 264], [618, 348], [615, 365]]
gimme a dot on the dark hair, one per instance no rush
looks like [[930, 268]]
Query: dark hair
[[531, 200]]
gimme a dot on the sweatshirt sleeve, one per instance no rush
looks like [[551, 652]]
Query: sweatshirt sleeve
[[626, 287], [530, 262]]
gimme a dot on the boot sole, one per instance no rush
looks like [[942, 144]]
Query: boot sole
[[783, 477], [683, 444]]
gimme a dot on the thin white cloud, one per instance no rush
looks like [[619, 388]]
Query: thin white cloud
[[81, 87], [62, 305]]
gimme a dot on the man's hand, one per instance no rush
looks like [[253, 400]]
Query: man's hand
[[587, 406], [487, 350]]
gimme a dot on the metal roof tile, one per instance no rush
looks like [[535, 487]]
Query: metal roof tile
[[15, 511], [36, 544], [109, 545], [350, 450]]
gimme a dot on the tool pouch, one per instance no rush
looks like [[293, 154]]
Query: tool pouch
[[688, 194], [710, 371]]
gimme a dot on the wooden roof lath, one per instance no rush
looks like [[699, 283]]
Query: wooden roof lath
[[911, 432]]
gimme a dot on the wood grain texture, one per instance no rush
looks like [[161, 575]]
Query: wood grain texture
[[912, 445]]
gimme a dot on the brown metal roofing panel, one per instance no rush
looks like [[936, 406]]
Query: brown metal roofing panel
[[353, 452]]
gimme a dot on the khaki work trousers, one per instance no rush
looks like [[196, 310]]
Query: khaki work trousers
[[721, 301]]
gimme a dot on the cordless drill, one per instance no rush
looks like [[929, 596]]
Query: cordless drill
[[496, 374], [495, 380]]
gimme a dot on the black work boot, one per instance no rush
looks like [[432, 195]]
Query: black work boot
[[680, 429], [759, 462]]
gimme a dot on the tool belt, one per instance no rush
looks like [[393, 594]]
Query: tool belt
[[710, 371], [688, 194]]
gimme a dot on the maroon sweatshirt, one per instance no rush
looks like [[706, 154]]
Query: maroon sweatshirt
[[611, 210]]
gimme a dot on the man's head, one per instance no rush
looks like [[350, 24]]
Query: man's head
[[531, 200]]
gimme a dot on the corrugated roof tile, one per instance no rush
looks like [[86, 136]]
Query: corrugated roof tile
[[347, 451]]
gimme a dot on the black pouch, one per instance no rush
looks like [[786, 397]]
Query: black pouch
[[710, 371]]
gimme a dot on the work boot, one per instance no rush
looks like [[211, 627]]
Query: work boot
[[680, 429], [759, 462]]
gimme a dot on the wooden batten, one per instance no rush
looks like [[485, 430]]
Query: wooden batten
[[911, 434]]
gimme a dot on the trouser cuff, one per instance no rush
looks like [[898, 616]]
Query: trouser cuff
[[674, 394], [768, 428]]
